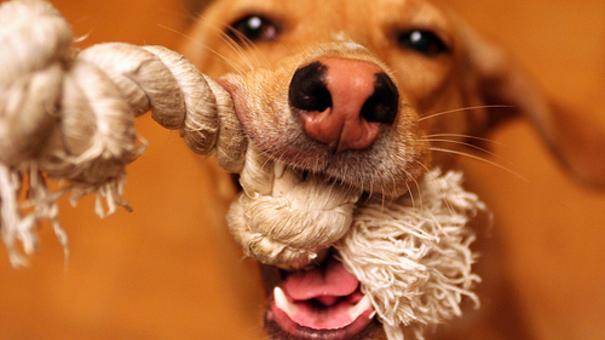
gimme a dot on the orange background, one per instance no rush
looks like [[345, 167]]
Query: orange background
[[170, 271]]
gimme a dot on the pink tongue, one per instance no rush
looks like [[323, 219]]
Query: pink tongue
[[332, 280]]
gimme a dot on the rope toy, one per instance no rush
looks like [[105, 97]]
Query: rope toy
[[69, 115], [413, 258]]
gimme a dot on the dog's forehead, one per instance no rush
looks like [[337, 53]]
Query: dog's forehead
[[342, 13]]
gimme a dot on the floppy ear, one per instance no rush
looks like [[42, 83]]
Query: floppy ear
[[576, 138]]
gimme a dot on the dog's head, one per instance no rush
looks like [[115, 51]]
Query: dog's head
[[369, 94]]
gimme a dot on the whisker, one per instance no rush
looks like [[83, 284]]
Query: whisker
[[481, 159], [247, 42], [469, 108], [487, 140], [419, 188], [469, 145], [409, 176], [197, 43], [237, 49], [422, 165], [233, 45]]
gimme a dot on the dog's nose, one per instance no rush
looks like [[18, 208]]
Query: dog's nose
[[342, 102]]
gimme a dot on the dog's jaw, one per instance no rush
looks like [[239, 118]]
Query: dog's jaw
[[279, 314]]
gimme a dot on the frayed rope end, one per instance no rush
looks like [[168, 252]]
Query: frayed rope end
[[415, 262], [19, 218]]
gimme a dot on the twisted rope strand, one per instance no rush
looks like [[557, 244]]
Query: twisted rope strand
[[70, 115]]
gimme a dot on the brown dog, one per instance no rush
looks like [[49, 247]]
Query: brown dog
[[371, 94]]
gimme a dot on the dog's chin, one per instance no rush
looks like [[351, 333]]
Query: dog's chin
[[274, 331], [324, 302]]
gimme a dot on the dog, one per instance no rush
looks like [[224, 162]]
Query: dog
[[355, 117], [371, 94]]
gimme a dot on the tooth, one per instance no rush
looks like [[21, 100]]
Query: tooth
[[282, 302], [363, 305]]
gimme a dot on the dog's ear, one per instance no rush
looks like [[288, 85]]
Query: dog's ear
[[576, 138]]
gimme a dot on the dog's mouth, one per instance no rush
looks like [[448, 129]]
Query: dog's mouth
[[289, 214], [324, 302]]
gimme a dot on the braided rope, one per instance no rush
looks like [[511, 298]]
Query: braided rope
[[284, 219], [70, 115]]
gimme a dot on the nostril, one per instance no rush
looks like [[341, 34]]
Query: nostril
[[342, 102], [382, 105], [308, 90]]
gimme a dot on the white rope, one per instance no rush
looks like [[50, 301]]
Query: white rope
[[415, 262], [284, 219], [70, 115]]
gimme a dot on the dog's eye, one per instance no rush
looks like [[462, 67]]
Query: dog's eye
[[253, 28], [422, 41]]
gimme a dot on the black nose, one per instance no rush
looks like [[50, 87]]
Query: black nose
[[309, 92], [308, 89], [382, 105]]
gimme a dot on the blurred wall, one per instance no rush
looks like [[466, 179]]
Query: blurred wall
[[170, 271], [551, 231]]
